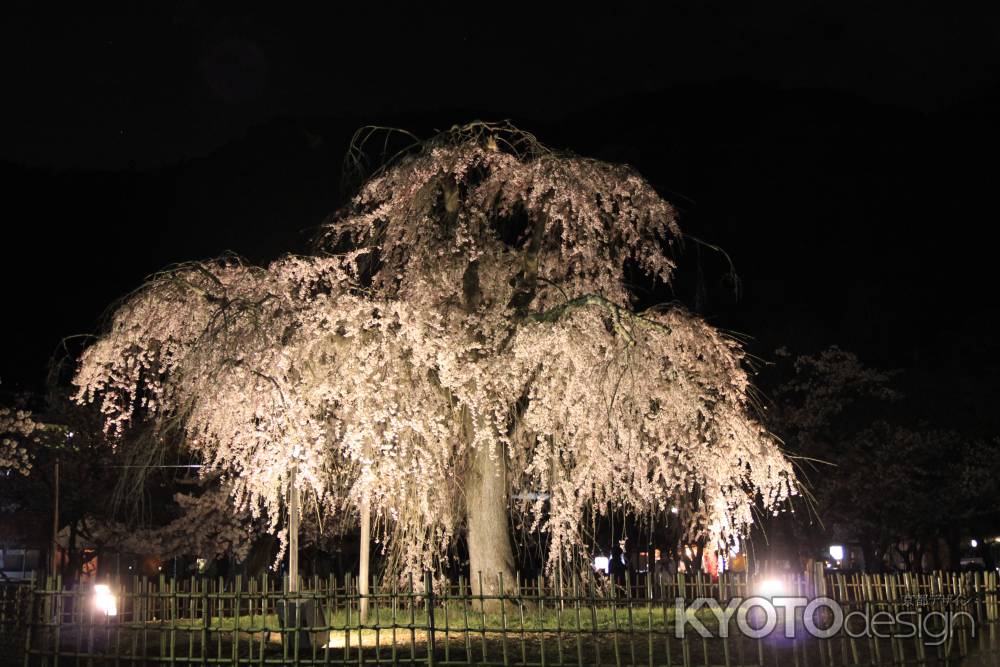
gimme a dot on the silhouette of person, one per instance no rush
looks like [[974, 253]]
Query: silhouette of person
[[618, 563]]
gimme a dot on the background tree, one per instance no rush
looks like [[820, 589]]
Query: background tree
[[467, 329], [879, 472], [18, 433], [93, 481], [63, 432], [205, 525]]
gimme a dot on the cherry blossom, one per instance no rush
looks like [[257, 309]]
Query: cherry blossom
[[17, 433], [473, 298]]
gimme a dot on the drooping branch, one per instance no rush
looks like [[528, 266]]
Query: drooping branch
[[438, 340]]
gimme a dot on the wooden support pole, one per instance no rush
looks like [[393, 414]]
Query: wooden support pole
[[293, 532], [363, 574]]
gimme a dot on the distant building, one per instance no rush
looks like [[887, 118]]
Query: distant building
[[24, 546]]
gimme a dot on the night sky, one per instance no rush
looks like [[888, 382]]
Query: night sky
[[843, 155]]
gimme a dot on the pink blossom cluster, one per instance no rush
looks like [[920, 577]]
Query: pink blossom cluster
[[17, 434], [207, 526]]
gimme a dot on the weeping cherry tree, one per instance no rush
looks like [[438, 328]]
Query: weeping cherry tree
[[462, 348]]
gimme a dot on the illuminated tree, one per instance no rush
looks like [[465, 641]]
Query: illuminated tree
[[466, 332], [206, 526], [17, 435]]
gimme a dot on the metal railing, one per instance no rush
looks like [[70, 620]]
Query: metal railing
[[588, 621]]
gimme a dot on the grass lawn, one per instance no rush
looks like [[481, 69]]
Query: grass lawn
[[458, 617]]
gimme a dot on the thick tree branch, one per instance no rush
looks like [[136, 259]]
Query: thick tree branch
[[618, 315]]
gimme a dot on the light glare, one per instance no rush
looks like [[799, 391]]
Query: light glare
[[104, 601], [771, 588]]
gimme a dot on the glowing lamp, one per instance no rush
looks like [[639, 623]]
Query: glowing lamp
[[601, 564], [105, 601], [837, 552], [771, 587]]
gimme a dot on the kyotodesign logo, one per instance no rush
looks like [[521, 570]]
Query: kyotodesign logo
[[821, 617]]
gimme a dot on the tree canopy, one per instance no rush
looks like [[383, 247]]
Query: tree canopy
[[465, 334]]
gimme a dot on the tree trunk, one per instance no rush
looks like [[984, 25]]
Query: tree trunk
[[868, 553], [55, 521], [70, 573], [490, 553]]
